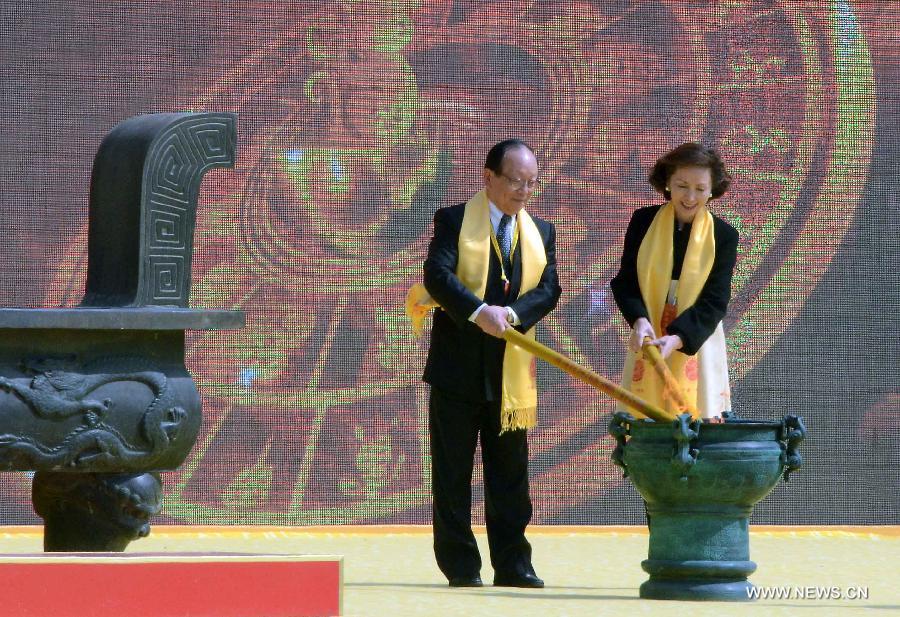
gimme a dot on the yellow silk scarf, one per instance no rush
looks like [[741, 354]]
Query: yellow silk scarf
[[654, 267], [518, 407]]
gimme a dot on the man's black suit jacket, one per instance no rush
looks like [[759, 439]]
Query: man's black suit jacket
[[462, 359]]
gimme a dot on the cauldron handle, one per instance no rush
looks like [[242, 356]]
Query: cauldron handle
[[684, 431], [620, 427], [793, 432]]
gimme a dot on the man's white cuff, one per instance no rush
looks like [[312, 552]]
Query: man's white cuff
[[475, 314]]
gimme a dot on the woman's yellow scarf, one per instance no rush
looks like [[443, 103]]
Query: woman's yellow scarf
[[519, 390], [654, 267]]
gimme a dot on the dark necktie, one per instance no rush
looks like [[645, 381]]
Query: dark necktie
[[504, 239]]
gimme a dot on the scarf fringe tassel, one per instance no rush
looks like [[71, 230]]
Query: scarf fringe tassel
[[515, 419]]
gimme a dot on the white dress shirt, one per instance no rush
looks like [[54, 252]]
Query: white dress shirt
[[496, 215]]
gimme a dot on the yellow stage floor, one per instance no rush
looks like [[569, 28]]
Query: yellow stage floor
[[390, 571]]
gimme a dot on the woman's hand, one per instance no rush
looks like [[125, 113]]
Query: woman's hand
[[642, 328], [667, 344]]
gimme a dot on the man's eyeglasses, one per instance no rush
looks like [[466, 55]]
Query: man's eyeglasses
[[518, 184]]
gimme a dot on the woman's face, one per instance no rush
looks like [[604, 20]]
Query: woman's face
[[690, 188]]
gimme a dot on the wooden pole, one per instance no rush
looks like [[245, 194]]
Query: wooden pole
[[587, 376], [673, 389]]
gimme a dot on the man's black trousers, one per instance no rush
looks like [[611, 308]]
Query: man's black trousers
[[454, 428]]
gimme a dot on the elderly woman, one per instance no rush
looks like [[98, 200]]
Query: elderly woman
[[674, 282]]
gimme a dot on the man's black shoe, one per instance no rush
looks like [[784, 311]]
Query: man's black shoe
[[528, 580], [466, 581]]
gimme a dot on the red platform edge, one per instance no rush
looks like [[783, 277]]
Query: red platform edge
[[171, 585]]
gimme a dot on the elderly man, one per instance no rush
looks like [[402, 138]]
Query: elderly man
[[490, 266]]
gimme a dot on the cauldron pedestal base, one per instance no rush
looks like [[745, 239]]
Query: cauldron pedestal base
[[732, 589], [95, 512], [698, 553]]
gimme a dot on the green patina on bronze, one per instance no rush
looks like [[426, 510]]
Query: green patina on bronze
[[700, 482]]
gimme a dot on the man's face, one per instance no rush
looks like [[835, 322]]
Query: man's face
[[511, 189]]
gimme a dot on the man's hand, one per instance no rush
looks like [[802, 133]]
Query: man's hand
[[667, 344], [642, 328], [492, 320]]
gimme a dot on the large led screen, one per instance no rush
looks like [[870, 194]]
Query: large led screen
[[357, 120]]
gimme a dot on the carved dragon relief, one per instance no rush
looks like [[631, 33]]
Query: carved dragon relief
[[56, 392]]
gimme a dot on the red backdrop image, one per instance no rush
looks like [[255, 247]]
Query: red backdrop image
[[357, 120]]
